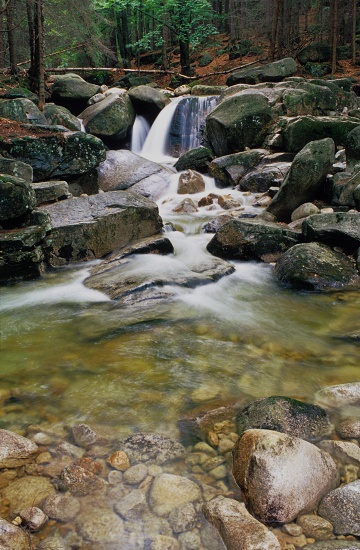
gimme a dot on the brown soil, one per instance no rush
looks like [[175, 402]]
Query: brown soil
[[11, 128]]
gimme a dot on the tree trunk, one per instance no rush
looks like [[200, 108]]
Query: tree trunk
[[11, 37], [334, 21], [353, 33], [2, 41], [185, 56], [274, 29]]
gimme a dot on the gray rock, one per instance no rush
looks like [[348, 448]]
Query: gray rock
[[238, 529], [83, 435], [152, 448], [339, 396], [27, 491], [16, 197], [264, 177], [306, 175], [228, 170], [341, 507], [315, 266], [70, 90], [349, 428], [132, 506], [100, 525], [338, 229], [252, 240], [169, 491], [50, 191], [124, 169], [135, 474], [285, 415], [315, 527], [63, 508], [272, 72], [345, 451], [80, 482], [57, 115], [15, 450], [238, 122], [16, 168], [183, 518], [111, 118], [148, 100], [334, 545], [195, 159], [34, 518], [12, 537], [304, 210], [190, 182], [281, 476], [21, 110], [352, 147], [88, 227]]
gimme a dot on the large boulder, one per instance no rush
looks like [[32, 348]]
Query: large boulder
[[315, 52], [72, 91], [286, 415], [281, 476], [252, 240], [16, 197], [238, 122], [123, 169], [90, 227], [304, 180], [21, 110], [339, 396], [16, 168], [309, 99], [148, 100], [51, 152], [341, 229], [260, 179], [57, 115], [315, 266], [195, 159], [238, 529], [272, 72], [111, 118], [352, 147], [343, 189], [297, 132], [229, 169]]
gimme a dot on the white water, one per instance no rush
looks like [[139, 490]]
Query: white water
[[139, 133]]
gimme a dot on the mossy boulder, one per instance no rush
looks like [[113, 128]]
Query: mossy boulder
[[72, 91], [57, 115], [336, 229], [238, 122], [317, 52], [15, 93], [147, 100], [315, 266], [21, 110], [195, 159], [272, 72], [352, 147], [229, 169], [16, 197]]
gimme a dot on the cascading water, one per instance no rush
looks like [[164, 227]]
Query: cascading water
[[139, 133], [177, 128]]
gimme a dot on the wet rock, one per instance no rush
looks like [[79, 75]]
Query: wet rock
[[238, 529], [228, 170], [16, 197], [34, 518], [304, 179], [169, 491], [119, 460], [152, 448], [80, 482], [163, 542], [340, 395], [135, 474], [281, 476], [57, 115], [16, 168], [341, 507], [53, 543], [252, 240], [12, 537], [190, 182], [50, 191], [345, 451], [124, 169], [304, 210], [148, 100], [27, 491], [83, 435], [352, 147], [195, 159], [15, 450], [338, 229], [189, 540], [183, 518], [200, 424], [21, 110], [213, 225], [315, 527], [334, 545], [285, 415], [72, 91], [271, 72], [132, 506], [100, 525], [63, 508], [315, 266], [349, 428], [186, 206], [227, 202], [266, 176]]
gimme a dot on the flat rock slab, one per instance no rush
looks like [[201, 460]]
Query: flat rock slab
[[90, 227]]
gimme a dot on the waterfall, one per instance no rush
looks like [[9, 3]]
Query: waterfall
[[176, 129], [139, 133]]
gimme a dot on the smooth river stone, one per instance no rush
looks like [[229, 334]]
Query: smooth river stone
[[15, 450], [282, 476], [169, 491]]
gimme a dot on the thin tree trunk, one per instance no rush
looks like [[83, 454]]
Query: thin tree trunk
[[274, 30], [11, 37], [185, 56], [353, 33], [334, 22], [2, 41]]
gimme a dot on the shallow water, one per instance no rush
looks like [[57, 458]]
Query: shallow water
[[69, 353]]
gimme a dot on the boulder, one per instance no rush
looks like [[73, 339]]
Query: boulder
[[297, 132], [286, 415], [228, 170], [190, 182], [311, 99], [252, 240], [304, 210], [336, 229], [72, 91], [125, 170], [304, 179], [339, 396], [317, 52], [21, 255], [352, 147], [341, 507], [90, 227], [343, 451], [16, 168], [261, 179], [16, 197], [111, 118], [148, 100], [57, 115], [52, 152], [15, 93], [168, 491], [50, 191], [238, 122], [27, 491], [315, 266], [281, 476], [12, 537], [272, 72], [15, 450], [21, 110], [342, 189], [238, 529], [195, 159], [152, 448], [203, 90]]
